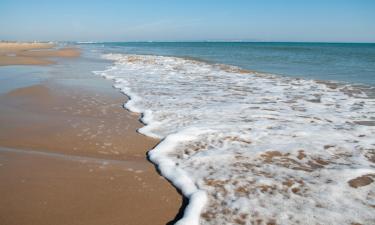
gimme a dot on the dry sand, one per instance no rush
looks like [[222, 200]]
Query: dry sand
[[72, 156], [13, 53]]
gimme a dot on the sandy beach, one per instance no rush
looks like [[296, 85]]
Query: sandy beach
[[70, 154], [189, 113], [33, 53]]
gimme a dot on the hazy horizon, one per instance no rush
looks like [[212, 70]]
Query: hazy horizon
[[332, 21]]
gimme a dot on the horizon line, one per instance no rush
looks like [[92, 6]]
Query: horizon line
[[213, 41], [186, 41]]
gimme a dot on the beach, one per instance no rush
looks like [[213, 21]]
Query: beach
[[69, 152], [117, 133], [187, 113]]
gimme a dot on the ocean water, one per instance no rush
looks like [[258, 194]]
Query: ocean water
[[353, 63], [273, 143]]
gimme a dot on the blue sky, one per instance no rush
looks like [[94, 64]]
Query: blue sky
[[179, 20]]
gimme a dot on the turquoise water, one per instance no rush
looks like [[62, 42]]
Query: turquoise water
[[353, 63]]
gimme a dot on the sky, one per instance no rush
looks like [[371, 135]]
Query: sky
[[188, 20]]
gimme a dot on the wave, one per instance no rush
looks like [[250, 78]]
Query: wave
[[254, 148], [88, 42]]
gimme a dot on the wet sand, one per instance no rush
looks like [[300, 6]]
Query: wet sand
[[71, 155], [41, 189], [95, 124]]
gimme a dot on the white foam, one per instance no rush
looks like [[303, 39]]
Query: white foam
[[250, 147], [179, 178], [88, 42]]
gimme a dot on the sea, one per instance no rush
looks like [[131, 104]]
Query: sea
[[255, 133]]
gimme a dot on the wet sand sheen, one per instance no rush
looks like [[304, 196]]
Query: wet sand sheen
[[38, 117], [105, 177]]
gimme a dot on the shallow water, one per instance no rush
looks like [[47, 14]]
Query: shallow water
[[12, 77], [254, 148]]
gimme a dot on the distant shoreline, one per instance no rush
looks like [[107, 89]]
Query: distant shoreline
[[33, 53]]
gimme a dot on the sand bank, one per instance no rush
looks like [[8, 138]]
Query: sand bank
[[13, 53]]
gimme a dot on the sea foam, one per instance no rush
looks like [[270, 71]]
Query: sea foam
[[251, 148]]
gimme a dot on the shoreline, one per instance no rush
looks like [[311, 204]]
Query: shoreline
[[78, 135], [92, 142], [138, 77]]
